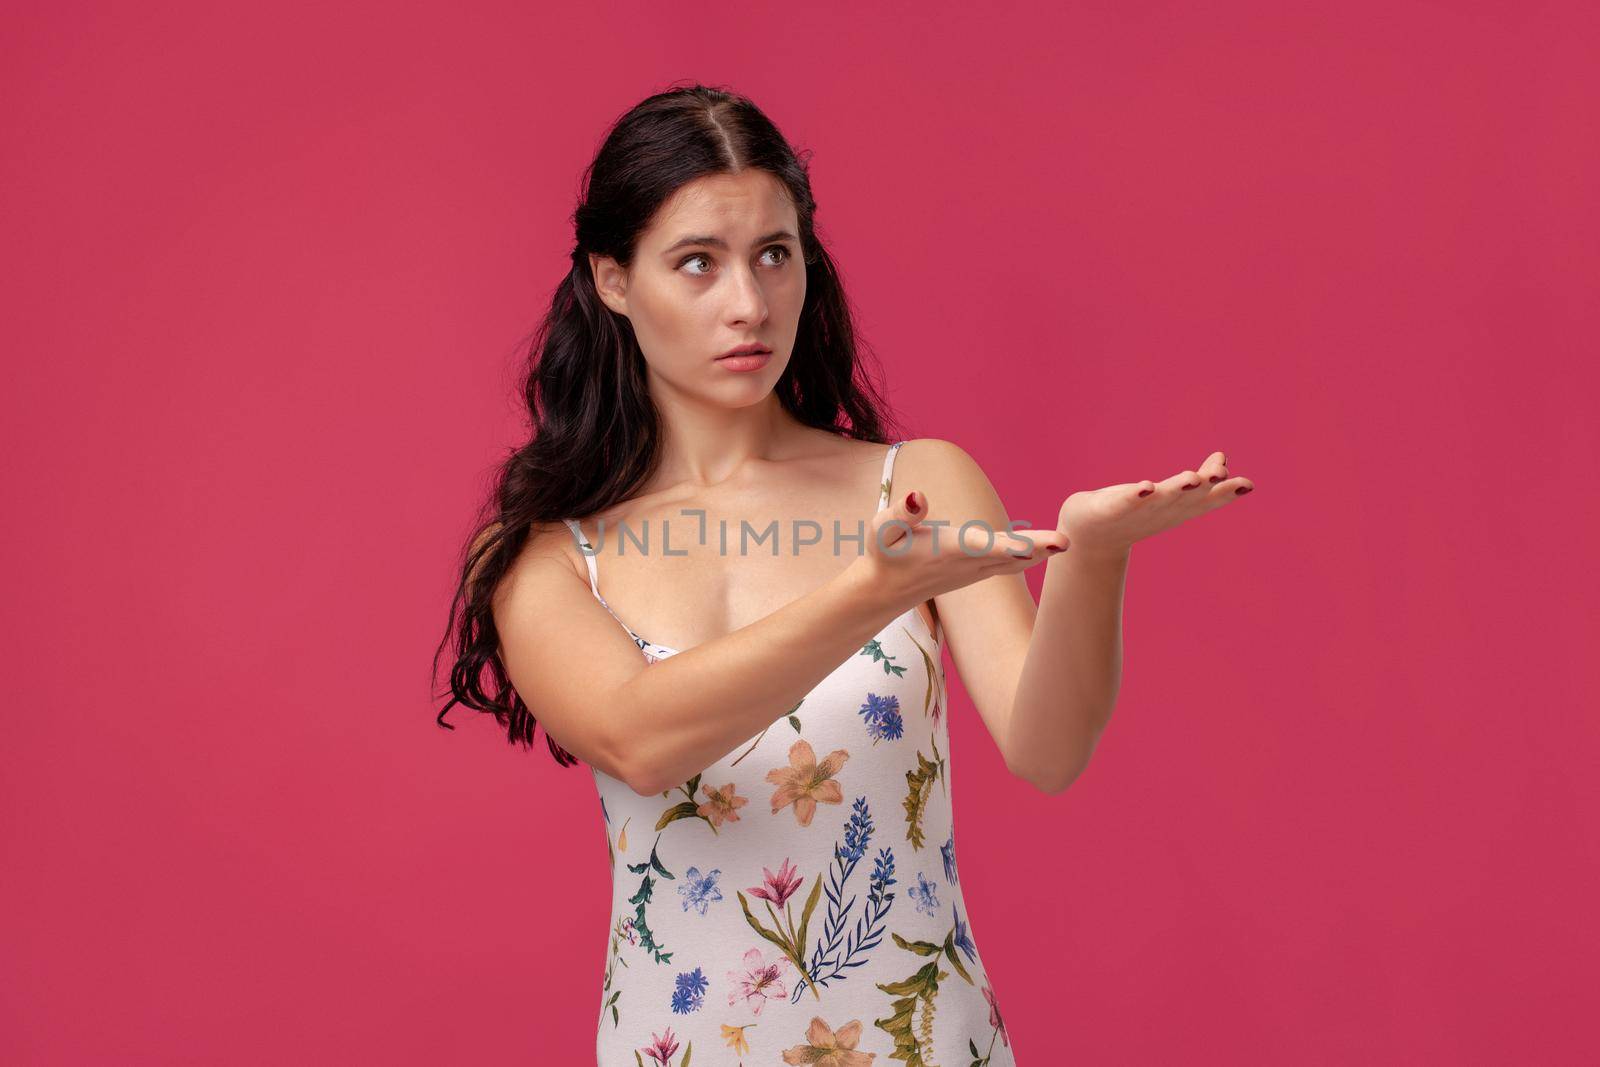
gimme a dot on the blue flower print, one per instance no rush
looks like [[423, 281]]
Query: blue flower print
[[690, 992], [697, 891], [926, 894], [857, 832], [882, 715], [948, 851], [963, 939]]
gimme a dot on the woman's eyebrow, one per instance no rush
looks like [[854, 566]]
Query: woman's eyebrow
[[717, 242]]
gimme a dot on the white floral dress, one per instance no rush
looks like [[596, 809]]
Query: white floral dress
[[798, 901]]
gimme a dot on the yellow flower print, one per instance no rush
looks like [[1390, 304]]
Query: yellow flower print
[[805, 783], [734, 1036], [826, 1048]]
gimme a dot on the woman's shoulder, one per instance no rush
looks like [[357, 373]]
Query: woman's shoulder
[[940, 468], [554, 541], [932, 455]]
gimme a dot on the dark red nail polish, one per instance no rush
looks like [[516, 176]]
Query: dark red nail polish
[[1188, 486], [911, 500], [1146, 492], [1056, 548], [1242, 490], [1216, 477]]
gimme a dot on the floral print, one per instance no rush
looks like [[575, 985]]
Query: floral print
[[822, 923], [689, 992], [805, 783], [721, 805], [662, 1047], [699, 892], [882, 715], [830, 1049], [758, 980], [734, 1035], [926, 894]]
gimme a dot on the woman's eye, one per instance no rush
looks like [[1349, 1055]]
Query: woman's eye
[[707, 259]]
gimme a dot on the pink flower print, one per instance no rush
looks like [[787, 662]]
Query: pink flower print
[[663, 1048], [757, 980], [994, 1015], [778, 887]]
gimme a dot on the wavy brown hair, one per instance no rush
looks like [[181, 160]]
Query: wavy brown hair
[[594, 431]]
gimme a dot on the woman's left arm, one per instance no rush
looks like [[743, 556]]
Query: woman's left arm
[[1045, 677]]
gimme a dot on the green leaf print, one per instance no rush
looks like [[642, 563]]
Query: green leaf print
[[791, 942], [755, 924], [950, 950], [647, 940], [687, 809], [930, 694], [921, 948], [919, 784], [805, 914], [912, 1029], [875, 650], [657, 864], [612, 961]]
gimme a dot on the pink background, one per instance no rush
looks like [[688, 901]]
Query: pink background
[[266, 273]]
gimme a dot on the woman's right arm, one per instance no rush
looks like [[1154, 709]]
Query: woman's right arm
[[656, 725]]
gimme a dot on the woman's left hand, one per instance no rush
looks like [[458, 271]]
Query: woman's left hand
[[1110, 520]]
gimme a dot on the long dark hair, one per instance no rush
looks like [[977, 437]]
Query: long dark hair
[[594, 430]]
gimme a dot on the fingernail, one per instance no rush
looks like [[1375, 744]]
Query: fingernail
[[1216, 477], [1188, 486], [1056, 548], [911, 500], [1242, 490], [1146, 492]]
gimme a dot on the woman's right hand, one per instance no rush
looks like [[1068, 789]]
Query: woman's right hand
[[907, 560]]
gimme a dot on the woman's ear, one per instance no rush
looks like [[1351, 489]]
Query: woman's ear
[[610, 282]]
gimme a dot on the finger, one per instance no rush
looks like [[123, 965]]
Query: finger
[[1215, 468], [1037, 544], [909, 508], [1180, 482], [1013, 564], [1230, 489]]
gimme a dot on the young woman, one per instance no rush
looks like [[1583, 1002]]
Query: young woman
[[711, 468]]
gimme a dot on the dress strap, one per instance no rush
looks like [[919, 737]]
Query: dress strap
[[588, 553], [888, 475]]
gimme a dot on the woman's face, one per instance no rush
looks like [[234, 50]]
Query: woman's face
[[718, 267]]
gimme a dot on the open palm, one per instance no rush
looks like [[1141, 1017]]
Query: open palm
[[1113, 518]]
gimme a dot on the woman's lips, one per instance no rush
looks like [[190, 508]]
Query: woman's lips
[[754, 361]]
